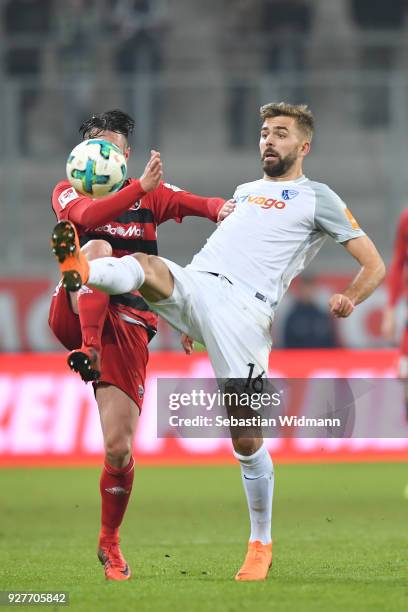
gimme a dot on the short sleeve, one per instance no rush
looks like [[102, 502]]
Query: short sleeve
[[332, 215]]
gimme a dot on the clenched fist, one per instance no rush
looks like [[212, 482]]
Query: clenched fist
[[340, 306]]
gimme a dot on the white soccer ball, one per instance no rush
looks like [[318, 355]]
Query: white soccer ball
[[96, 168]]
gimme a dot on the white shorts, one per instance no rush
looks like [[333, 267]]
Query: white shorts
[[234, 326]]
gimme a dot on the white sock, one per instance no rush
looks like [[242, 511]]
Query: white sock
[[258, 478], [116, 275]]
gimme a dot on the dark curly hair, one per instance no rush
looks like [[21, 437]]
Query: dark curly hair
[[113, 120]]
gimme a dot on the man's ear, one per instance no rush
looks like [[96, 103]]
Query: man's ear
[[305, 148]]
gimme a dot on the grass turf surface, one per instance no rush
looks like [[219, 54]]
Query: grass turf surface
[[340, 539]]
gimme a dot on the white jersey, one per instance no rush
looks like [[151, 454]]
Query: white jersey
[[275, 230]]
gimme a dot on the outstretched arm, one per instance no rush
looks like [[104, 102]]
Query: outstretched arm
[[170, 202], [371, 273]]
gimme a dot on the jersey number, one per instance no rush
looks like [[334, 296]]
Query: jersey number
[[255, 384]]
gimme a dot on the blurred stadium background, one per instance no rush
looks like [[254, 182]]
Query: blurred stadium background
[[193, 74]]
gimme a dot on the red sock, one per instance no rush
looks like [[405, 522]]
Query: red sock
[[115, 487], [92, 309]]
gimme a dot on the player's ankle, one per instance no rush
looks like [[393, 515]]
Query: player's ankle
[[91, 337], [108, 534], [91, 345]]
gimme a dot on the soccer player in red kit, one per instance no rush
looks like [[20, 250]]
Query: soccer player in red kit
[[108, 336], [397, 288]]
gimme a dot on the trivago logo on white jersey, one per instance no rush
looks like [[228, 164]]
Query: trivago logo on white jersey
[[131, 231], [261, 201]]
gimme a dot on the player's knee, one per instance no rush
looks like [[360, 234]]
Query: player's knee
[[118, 451], [94, 249], [63, 323], [54, 323], [246, 446], [147, 263]]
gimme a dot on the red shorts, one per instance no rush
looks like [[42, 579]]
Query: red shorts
[[124, 345]]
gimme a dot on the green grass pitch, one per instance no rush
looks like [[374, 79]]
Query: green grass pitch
[[340, 539]]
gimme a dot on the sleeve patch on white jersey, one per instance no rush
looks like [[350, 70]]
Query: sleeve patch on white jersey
[[349, 215], [172, 187], [67, 196]]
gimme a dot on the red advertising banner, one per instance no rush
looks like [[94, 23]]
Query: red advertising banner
[[48, 416], [24, 305]]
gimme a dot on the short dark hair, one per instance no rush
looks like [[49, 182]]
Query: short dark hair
[[299, 112], [112, 120]]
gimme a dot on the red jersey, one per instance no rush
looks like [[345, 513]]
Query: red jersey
[[398, 269], [128, 220]]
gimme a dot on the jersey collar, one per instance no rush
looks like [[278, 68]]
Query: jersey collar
[[301, 179]]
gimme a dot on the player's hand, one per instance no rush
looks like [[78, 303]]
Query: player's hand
[[187, 344], [226, 210], [388, 325], [340, 306], [153, 173]]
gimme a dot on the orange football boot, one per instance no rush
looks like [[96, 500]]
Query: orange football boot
[[86, 362], [257, 562], [109, 554], [72, 262]]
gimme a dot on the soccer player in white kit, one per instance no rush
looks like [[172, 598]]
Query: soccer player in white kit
[[227, 296]]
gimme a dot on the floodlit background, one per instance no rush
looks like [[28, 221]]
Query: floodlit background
[[193, 74]]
